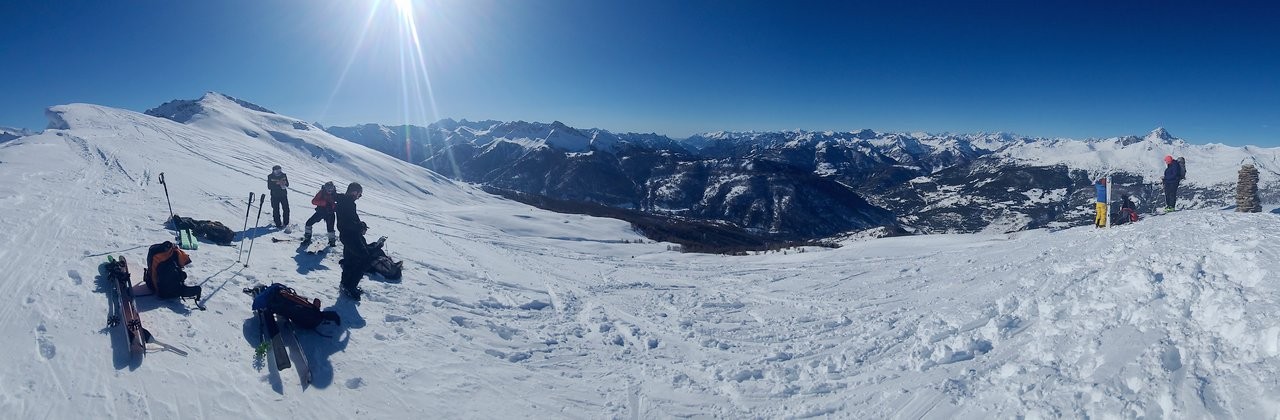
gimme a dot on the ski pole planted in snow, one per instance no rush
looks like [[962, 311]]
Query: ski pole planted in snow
[[261, 198], [245, 230], [166, 200]]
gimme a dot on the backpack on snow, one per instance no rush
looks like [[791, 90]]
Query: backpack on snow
[[164, 273], [1182, 168], [280, 299], [214, 231], [383, 264]]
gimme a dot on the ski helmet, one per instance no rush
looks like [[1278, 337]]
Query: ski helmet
[[275, 168]]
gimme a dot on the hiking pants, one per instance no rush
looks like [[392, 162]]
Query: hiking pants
[[280, 200], [355, 259], [322, 214], [1170, 194]]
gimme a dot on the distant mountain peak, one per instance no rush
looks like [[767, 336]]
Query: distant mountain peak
[[10, 133], [246, 104], [182, 110], [1160, 134]]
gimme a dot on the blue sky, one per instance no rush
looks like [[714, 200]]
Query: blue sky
[[1207, 71]]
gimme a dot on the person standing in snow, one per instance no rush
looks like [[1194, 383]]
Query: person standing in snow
[[1171, 180], [355, 254], [278, 184], [325, 206], [1101, 206]]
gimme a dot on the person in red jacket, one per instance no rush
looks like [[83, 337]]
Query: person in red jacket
[[326, 203]]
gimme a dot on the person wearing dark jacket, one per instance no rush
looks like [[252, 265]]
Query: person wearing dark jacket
[[355, 252], [325, 207], [1171, 180], [278, 184], [1128, 211]]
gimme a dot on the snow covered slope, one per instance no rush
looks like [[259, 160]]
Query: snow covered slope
[[510, 311]]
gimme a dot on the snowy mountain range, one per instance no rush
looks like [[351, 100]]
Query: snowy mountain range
[[507, 310], [805, 185], [9, 133]]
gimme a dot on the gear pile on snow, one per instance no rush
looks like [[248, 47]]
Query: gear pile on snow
[[211, 230]]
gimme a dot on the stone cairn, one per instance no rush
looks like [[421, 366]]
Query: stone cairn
[[1247, 191]]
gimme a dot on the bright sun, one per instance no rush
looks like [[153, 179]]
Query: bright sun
[[405, 7], [395, 24]]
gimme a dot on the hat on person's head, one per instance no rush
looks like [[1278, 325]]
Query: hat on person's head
[[354, 187], [1168, 159], [275, 168]]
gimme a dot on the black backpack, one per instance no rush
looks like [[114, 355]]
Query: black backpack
[[212, 230], [1182, 168], [164, 273], [215, 231], [280, 299], [382, 264]]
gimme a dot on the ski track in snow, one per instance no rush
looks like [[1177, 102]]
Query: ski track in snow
[[1171, 317]]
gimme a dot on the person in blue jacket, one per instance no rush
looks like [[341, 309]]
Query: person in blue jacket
[[1172, 177], [1101, 206]]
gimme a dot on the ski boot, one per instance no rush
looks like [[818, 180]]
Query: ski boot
[[353, 292]]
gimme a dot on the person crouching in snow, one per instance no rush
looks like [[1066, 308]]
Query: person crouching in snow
[[1128, 211], [1101, 206]]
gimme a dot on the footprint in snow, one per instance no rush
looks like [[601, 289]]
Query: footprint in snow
[[44, 343], [75, 277], [354, 383]]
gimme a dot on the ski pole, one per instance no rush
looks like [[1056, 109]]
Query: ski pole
[[245, 230], [261, 199], [166, 200]]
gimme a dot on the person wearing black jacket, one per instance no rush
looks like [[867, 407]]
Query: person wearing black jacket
[[278, 184], [1171, 180], [355, 253]]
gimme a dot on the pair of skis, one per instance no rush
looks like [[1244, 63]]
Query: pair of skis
[[278, 336], [126, 310]]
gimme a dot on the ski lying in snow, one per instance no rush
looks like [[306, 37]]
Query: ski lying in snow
[[299, 357], [271, 334], [118, 272], [187, 240], [126, 309]]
